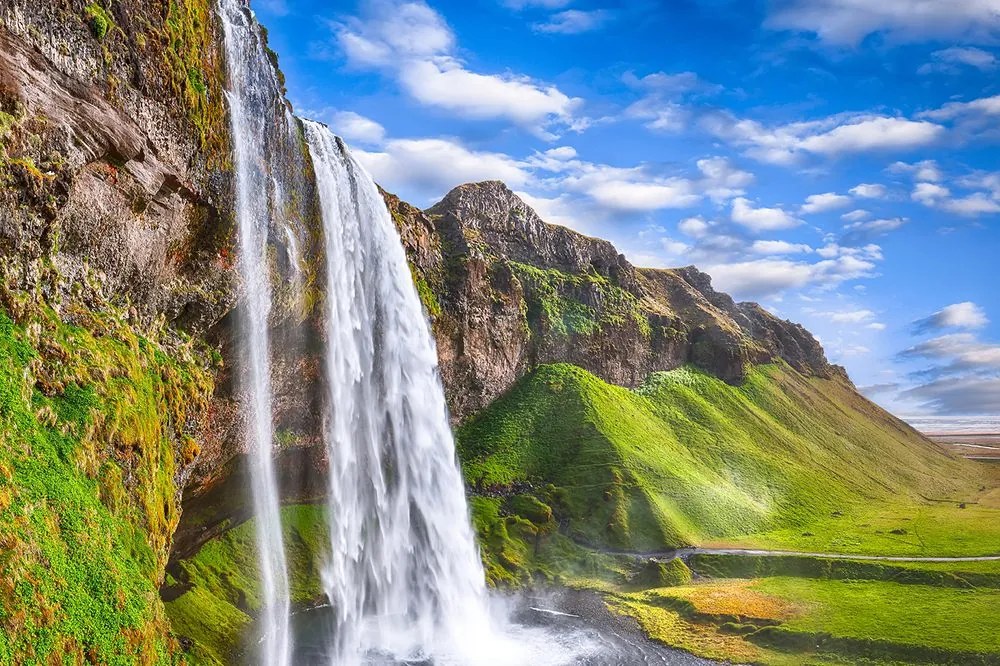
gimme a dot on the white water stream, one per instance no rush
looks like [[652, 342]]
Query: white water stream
[[251, 95]]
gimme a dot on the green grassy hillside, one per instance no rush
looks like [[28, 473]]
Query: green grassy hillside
[[688, 459]]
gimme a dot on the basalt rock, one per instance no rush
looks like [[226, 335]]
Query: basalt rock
[[511, 292]]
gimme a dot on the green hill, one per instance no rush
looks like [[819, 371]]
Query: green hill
[[688, 459]]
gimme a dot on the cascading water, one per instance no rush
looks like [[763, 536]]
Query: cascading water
[[252, 97], [404, 577]]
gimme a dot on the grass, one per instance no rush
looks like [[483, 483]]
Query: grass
[[687, 459], [783, 620], [917, 615], [221, 586], [90, 416], [918, 529]]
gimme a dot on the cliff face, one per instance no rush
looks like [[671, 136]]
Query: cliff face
[[507, 292]]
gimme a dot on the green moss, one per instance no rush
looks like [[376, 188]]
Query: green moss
[[99, 20], [195, 70], [578, 303], [427, 297], [221, 582], [84, 406], [657, 573]]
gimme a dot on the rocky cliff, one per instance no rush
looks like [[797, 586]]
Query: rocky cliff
[[507, 292]]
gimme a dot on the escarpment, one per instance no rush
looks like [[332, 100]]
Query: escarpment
[[507, 292]]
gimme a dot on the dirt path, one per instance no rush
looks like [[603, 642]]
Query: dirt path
[[749, 552]]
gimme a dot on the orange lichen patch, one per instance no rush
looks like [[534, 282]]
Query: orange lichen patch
[[738, 598]]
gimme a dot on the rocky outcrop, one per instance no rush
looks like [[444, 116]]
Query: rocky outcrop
[[511, 292]]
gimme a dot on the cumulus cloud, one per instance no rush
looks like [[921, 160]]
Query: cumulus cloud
[[958, 315], [412, 42], [768, 277], [848, 22], [575, 21], [926, 170], [695, 227], [856, 215], [433, 166], [354, 127], [761, 219], [833, 136], [821, 203], [721, 180], [869, 191]]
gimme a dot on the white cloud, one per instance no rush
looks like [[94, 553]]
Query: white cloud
[[856, 215], [848, 22], [660, 107], [832, 136], [929, 193], [873, 134], [957, 315], [412, 42], [926, 170], [761, 219], [695, 227], [985, 106], [821, 203], [575, 21], [561, 153], [947, 60], [768, 277], [972, 205], [869, 191], [660, 115], [722, 181], [849, 316], [628, 195], [431, 167], [446, 84], [355, 127], [774, 247]]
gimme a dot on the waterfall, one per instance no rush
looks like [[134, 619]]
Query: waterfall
[[404, 577], [252, 100]]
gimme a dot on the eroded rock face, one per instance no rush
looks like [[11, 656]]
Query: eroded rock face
[[512, 292]]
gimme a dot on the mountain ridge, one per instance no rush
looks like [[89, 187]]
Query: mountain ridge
[[555, 295]]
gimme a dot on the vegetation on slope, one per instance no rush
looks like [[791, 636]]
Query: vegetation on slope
[[687, 458], [219, 593], [93, 417]]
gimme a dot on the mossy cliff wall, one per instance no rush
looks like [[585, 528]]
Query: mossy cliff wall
[[119, 296]]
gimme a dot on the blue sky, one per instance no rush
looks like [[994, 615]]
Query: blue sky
[[835, 160]]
